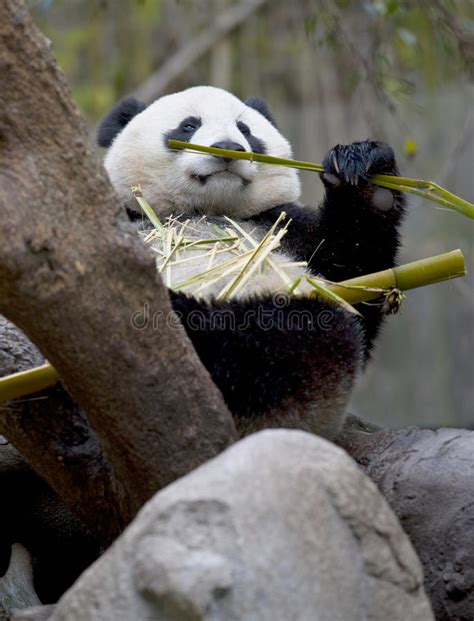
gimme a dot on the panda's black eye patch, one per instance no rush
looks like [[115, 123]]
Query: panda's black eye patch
[[245, 129], [190, 124], [184, 132], [257, 145]]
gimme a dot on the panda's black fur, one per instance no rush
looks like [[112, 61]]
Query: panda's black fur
[[272, 369]]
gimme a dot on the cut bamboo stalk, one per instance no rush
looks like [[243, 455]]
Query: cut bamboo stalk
[[27, 382], [404, 277]]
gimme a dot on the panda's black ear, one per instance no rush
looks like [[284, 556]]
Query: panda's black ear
[[120, 115], [260, 106]]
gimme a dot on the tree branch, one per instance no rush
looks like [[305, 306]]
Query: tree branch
[[73, 276], [227, 21]]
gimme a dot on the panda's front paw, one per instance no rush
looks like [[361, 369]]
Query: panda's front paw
[[349, 167]]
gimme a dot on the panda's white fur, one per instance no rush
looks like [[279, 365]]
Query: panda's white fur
[[169, 179]]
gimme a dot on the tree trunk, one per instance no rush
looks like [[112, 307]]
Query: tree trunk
[[77, 280]]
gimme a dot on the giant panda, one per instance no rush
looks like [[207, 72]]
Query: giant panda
[[281, 361]]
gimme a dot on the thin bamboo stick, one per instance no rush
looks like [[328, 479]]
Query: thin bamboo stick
[[137, 192], [426, 189]]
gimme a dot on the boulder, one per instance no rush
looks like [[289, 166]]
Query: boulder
[[37, 613], [282, 525], [16, 585], [428, 479]]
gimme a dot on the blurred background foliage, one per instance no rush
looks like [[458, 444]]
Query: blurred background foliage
[[333, 71]]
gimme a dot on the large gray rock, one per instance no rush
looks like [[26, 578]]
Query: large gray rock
[[16, 585], [283, 525], [37, 613], [428, 479]]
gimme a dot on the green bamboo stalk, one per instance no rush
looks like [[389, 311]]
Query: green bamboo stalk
[[145, 205], [404, 277], [425, 185], [413, 190], [426, 189], [27, 382], [361, 289], [246, 155]]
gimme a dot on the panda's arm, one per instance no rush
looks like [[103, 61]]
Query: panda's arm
[[277, 356], [355, 229]]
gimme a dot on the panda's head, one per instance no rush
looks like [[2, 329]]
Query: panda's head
[[182, 182]]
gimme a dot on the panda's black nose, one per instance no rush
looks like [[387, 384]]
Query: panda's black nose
[[230, 146]]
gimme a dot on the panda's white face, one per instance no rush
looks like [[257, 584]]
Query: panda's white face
[[192, 183]]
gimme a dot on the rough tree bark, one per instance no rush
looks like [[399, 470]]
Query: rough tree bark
[[72, 275]]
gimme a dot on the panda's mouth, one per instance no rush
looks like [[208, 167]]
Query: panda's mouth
[[203, 179]]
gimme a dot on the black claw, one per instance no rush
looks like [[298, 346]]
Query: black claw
[[351, 163]]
